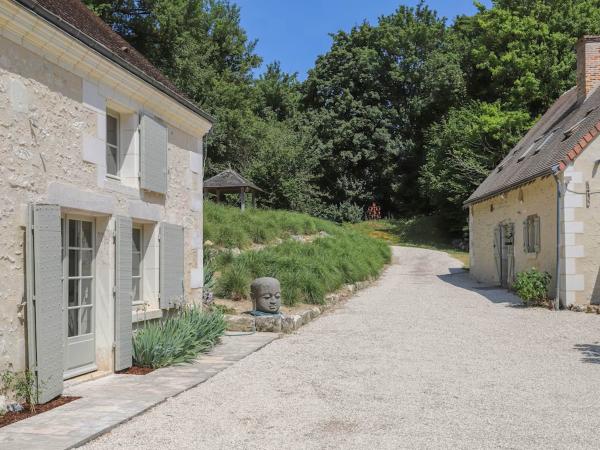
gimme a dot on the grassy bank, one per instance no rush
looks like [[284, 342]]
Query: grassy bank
[[419, 231], [308, 271], [228, 227]]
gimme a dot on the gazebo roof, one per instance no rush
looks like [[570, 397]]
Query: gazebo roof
[[229, 180]]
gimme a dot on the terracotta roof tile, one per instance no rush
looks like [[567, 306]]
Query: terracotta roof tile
[[567, 126], [73, 15]]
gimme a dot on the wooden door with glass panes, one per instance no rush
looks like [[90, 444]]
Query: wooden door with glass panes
[[78, 285]]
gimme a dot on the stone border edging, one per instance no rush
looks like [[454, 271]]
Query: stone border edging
[[292, 322]]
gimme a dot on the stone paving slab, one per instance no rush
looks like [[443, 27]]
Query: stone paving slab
[[109, 401]]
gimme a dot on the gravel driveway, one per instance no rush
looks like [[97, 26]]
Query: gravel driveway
[[426, 358]]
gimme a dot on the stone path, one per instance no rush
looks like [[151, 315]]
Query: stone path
[[111, 400], [425, 358]]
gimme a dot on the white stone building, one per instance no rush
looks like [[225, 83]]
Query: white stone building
[[101, 178], [540, 206]]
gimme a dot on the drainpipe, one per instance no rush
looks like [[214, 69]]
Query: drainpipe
[[556, 172]]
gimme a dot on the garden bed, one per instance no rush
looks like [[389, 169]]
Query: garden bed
[[136, 370], [12, 417]]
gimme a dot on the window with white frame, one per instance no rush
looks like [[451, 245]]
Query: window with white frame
[[531, 234], [136, 265], [113, 157]]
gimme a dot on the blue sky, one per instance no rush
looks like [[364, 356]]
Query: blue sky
[[295, 32]]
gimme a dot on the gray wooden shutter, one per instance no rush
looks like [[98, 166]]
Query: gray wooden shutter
[[497, 251], [123, 271], [45, 304], [153, 155], [525, 236], [537, 230], [171, 265], [511, 256]]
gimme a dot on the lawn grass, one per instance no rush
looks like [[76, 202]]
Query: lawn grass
[[308, 271], [419, 231], [229, 227]]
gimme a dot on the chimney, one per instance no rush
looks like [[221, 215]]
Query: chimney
[[588, 66]]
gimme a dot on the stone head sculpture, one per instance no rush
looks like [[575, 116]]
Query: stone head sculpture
[[266, 294]]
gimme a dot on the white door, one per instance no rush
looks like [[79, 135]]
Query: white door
[[78, 286]]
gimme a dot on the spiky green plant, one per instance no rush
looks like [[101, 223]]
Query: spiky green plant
[[177, 339]]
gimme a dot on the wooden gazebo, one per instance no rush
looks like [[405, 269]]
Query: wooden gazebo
[[231, 182]]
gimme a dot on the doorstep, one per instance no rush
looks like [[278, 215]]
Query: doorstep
[[111, 400]]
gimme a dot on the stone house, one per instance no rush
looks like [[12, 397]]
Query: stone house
[[101, 176], [540, 207]]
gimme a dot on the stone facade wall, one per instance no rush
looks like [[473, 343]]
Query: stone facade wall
[[514, 206], [582, 227], [52, 132]]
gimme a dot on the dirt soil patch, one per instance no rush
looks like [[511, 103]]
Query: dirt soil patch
[[12, 417], [135, 370]]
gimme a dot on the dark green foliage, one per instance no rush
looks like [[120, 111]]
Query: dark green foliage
[[178, 339], [532, 286], [370, 98], [462, 149]]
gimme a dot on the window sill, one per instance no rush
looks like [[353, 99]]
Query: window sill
[[149, 314], [116, 185]]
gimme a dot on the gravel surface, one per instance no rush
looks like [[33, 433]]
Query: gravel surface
[[425, 358]]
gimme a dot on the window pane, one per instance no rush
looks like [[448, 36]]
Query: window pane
[[86, 320], [135, 290], [86, 234], [136, 263], [136, 235], [86, 292], [73, 233], [111, 160], [111, 130], [86, 262], [73, 263], [73, 292], [73, 322]]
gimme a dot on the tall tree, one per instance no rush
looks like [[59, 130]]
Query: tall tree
[[370, 97], [462, 149]]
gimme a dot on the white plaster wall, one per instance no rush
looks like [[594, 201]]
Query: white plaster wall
[[539, 198], [52, 148]]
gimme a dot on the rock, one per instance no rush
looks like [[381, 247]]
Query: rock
[[269, 323], [208, 243], [235, 251], [291, 323], [297, 238], [324, 234], [306, 316], [14, 407], [315, 312], [239, 322]]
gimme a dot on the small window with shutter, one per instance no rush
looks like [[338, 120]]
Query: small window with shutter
[[531, 234]]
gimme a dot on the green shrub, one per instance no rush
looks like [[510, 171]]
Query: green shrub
[[235, 281], [177, 339], [532, 286], [307, 271]]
